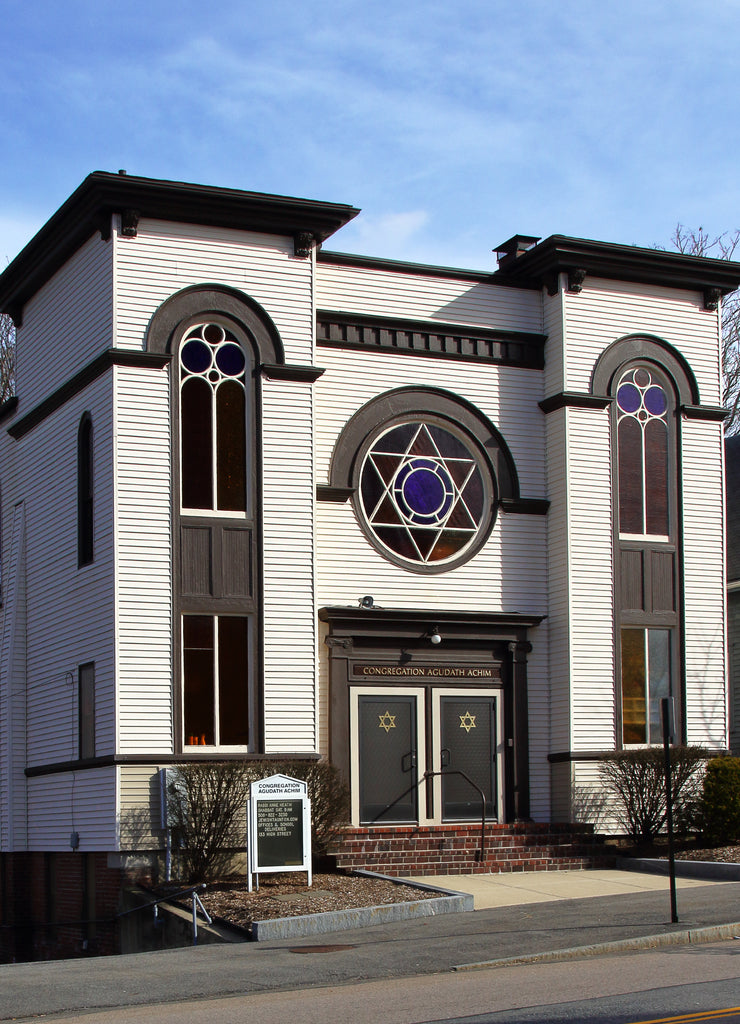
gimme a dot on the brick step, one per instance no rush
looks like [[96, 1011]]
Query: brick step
[[455, 849]]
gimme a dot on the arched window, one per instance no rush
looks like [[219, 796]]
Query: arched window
[[644, 403], [85, 519], [217, 337], [213, 440]]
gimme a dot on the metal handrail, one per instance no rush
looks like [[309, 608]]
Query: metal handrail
[[481, 853], [196, 901]]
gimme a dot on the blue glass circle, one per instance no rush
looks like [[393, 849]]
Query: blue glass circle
[[655, 400], [195, 356], [230, 359], [423, 491], [629, 398]]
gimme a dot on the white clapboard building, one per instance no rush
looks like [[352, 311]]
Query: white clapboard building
[[259, 497]]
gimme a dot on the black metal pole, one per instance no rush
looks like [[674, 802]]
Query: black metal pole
[[665, 708]]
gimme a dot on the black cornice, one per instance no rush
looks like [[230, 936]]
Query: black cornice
[[101, 194], [577, 257], [90, 372]]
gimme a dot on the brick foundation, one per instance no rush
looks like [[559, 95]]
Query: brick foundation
[[55, 905], [455, 849]]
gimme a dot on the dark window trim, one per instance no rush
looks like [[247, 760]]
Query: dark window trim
[[611, 365], [291, 372], [430, 338], [635, 348], [420, 401], [203, 300], [154, 760], [167, 327], [573, 400], [85, 492], [77, 383]]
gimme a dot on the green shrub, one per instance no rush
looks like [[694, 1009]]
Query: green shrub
[[207, 808], [636, 781], [721, 800]]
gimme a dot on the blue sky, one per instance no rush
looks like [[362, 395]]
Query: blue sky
[[453, 125]]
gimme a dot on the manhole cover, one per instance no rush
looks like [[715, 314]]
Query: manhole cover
[[290, 897], [321, 949]]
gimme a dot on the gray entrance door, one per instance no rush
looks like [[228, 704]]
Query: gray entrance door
[[388, 766], [468, 732]]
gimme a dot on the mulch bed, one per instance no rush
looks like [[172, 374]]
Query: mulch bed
[[287, 895]]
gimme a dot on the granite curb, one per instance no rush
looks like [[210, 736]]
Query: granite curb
[[448, 902], [686, 936], [711, 870]]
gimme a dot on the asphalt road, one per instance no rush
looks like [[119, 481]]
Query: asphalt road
[[629, 987]]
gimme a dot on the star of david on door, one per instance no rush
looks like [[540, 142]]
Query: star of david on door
[[467, 721], [387, 721]]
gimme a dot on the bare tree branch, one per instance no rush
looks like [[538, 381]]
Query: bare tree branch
[[698, 242], [7, 357]]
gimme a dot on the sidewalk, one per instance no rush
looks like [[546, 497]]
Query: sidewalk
[[529, 916]]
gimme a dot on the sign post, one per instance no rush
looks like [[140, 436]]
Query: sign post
[[278, 827], [666, 711]]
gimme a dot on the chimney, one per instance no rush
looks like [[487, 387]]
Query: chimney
[[508, 251]]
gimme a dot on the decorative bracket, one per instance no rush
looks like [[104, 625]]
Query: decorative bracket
[[576, 277], [129, 223], [303, 243], [711, 299], [344, 642]]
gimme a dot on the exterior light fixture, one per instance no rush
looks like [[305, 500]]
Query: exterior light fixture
[[366, 601], [434, 635]]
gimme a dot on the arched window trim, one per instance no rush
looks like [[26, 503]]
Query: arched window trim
[[233, 584], [647, 574], [85, 492]]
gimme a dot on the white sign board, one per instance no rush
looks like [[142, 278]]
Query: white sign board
[[278, 827]]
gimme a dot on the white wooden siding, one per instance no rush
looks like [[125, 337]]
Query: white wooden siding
[[144, 561], [704, 575], [69, 609], [289, 616], [66, 324], [507, 396], [13, 725], [84, 802], [419, 297], [140, 808], [591, 578], [607, 310], [165, 257]]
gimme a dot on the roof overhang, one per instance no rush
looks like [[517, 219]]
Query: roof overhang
[[102, 194], [542, 264]]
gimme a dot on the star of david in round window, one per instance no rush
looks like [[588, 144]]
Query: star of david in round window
[[425, 493]]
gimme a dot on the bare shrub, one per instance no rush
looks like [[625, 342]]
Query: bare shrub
[[207, 808], [636, 779]]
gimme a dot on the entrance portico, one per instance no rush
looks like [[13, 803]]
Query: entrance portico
[[426, 732]]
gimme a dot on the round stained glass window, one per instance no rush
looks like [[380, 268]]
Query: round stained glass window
[[425, 494]]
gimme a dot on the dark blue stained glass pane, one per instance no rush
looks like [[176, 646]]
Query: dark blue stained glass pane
[[423, 489], [396, 440], [449, 445], [655, 400], [371, 488], [230, 359], [629, 398], [196, 356]]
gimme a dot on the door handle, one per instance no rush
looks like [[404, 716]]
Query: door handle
[[444, 757], [408, 761]]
